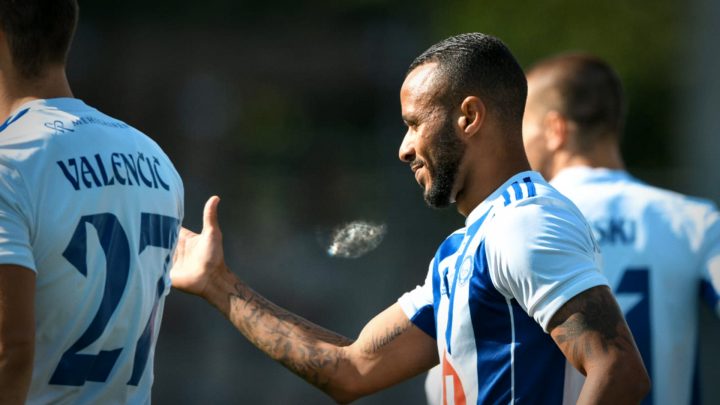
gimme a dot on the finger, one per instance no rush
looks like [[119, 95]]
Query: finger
[[210, 214]]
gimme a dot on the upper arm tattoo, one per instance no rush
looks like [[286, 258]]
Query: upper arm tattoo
[[590, 323], [381, 340]]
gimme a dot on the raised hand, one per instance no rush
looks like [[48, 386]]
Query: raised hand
[[199, 258]]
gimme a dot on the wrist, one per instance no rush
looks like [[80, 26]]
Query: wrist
[[219, 286]]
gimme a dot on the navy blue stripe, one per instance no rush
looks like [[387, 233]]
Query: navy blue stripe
[[469, 234], [436, 288], [447, 248], [530, 186], [518, 190], [12, 119], [634, 281], [451, 296], [709, 294], [539, 365], [425, 320], [696, 398], [493, 331]]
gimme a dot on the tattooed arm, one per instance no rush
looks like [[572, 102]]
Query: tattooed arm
[[388, 350], [592, 333]]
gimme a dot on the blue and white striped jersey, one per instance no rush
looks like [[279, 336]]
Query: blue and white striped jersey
[[661, 251], [93, 207], [494, 285]]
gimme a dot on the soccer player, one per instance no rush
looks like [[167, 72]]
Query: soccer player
[[660, 248], [504, 298], [90, 209]]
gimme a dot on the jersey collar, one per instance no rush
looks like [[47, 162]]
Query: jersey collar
[[496, 197], [577, 175]]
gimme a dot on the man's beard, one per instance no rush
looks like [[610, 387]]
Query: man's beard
[[446, 152]]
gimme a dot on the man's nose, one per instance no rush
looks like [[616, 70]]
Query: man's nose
[[407, 149]]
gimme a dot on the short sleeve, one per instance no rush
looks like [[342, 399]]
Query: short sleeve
[[542, 253], [15, 245], [710, 265], [418, 305]]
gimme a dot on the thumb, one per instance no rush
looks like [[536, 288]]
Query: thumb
[[210, 214]]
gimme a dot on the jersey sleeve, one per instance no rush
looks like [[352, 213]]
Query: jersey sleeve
[[710, 264], [418, 305], [15, 225], [542, 255]]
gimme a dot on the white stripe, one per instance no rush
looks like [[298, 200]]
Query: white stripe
[[449, 390], [524, 188], [512, 353]]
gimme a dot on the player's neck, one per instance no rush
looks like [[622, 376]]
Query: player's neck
[[16, 90], [490, 170], [605, 156]]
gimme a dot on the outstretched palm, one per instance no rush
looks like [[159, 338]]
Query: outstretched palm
[[199, 257]]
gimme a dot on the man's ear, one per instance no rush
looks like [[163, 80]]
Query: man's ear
[[556, 131], [472, 115]]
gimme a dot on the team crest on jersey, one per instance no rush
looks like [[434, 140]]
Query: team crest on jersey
[[465, 270]]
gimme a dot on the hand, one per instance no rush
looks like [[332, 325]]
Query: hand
[[199, 258]]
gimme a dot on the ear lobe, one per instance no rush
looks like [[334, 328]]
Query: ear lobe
[[472, 115]]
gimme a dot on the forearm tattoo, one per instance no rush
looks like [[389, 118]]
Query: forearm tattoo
[[290, 339], [592, 313]]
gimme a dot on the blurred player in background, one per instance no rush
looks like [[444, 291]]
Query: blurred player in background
[[524, 266], [660, 249], [90, 209]]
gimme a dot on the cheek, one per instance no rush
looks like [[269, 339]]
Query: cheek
[[424, 146]]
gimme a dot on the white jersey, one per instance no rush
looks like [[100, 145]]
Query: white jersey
[[494, 285], [660, 251], [93, 207]]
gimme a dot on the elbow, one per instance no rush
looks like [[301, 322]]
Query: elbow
[[632, 379], [636, 372], [341, 396], [640, 388], [622, 380], [644, 383], [344, 394], [344, 399], [347, 387]]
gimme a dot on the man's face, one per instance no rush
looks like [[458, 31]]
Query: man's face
[[431, 145], [533, 131]]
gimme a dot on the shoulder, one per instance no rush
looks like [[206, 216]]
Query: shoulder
[[543, 232], [637, 195], [541, 252], [546, 214], [684, 216], [22, 134]]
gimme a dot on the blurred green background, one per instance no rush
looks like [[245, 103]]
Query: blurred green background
[[289, 111]]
